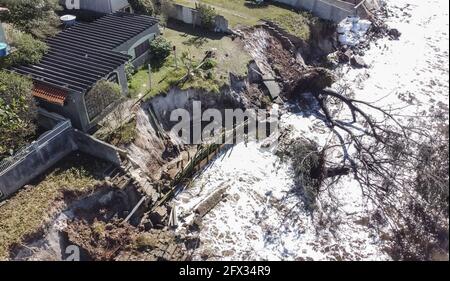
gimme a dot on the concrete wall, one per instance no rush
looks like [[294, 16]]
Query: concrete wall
[[190, 16], [94, 147], [47, 151], [333, 10], [368, 7], [117, 5], [49, 120], [41, 155]]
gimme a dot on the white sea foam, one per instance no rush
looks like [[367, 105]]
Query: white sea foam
[[258, 221]]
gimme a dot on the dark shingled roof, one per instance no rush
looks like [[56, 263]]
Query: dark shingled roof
[[80, 56]]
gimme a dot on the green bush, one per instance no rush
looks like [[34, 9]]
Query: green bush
[[104, 88], [160, 49], [17, 112], [130, 70], [209, 64], [36, 17], [207, 15], [307, 163], [145, 7], [26, 50]]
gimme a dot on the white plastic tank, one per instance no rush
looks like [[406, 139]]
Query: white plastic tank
[[68, 20]]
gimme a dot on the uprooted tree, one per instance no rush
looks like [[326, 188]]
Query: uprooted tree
[[400, 166], [400, 163]]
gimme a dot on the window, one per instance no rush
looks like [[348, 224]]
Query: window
[[113, 78], [142, 48]]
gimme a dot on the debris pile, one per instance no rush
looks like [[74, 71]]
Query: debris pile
[[159, 245], [352, 31]]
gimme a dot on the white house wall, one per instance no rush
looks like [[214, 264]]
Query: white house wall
[[101, 6], [117, 5]]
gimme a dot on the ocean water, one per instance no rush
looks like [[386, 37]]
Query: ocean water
[[262, 219]]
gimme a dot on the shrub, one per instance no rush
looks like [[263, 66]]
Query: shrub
[[17, 112], [209, 64], [123, 135], [160, 49], [207, 15], [145, 7], [166, 9], [101, 95], [130, 70], [36, 17], [307, 163], [26, 49]]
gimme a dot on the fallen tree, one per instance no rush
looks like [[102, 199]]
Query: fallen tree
[[393, 159]]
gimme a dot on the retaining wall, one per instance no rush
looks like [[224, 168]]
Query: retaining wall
[[191, 16], [94, 147], [47, 150], [36, 159], [333, 10]]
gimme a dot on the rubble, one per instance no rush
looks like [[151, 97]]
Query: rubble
[[394, 34], [358, 62], [159, 245], [352, 31], [158, 216]]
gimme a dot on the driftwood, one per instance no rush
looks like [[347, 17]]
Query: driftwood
[[206, 206]]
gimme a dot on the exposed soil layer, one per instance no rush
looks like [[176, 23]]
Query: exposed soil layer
[[291, 72]]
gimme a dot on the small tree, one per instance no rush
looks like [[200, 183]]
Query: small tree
[[130, 70], [160, 49], [17, 112], [145, 7], [207, 15], [105, 91]]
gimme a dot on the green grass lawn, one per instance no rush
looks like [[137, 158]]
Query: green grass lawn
[[229, 55], [243, 13]]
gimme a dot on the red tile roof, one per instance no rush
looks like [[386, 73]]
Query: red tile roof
[[50, 94]]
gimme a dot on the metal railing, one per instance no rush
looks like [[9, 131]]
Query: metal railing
[[9, 162]]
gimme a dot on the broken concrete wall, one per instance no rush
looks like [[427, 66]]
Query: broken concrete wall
[[367, 8], [47, 150], [36, 158], [333, 10], [94, 147]]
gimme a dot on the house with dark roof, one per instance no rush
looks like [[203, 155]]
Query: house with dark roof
[[84, 54]]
